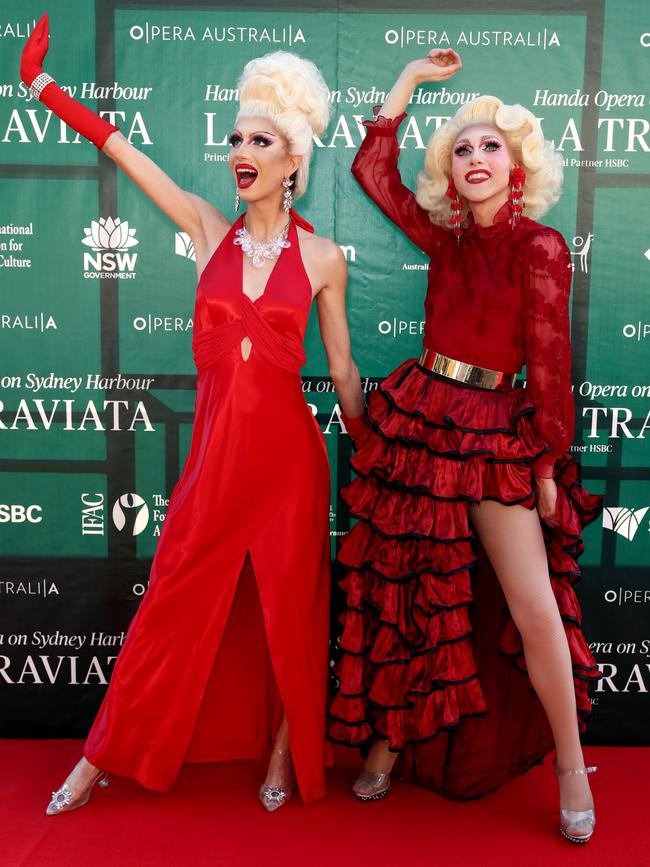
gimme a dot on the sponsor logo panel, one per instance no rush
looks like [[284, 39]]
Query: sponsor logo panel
[[21, 513], [110, 241], [623, 521], [15, 245], [18, 586]]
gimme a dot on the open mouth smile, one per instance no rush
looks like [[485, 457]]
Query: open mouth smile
[[478, 176], [246, 175]]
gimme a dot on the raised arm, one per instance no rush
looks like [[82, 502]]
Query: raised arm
[[201, 220], [439, 65], [376, 164], [548, 347], [191, 213]]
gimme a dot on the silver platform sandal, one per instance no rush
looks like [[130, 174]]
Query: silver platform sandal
[[570, 818], [370, 786]]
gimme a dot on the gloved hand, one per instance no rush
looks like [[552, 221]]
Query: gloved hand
[[356, 427], [77, 116]]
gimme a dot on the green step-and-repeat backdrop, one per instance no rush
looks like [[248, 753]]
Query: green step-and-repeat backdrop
[[96, 373]]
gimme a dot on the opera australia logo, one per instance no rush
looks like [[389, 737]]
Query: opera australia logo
[[110, 241], [623, 521], [130, 512], [184, 246]]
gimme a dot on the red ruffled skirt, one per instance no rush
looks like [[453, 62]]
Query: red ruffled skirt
[[429, 656]]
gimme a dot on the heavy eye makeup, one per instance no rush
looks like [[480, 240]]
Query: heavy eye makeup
[[490, 145], [258, 139]]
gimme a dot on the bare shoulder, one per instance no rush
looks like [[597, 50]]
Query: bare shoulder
[[324, 246], [323, 260], [323, 250]]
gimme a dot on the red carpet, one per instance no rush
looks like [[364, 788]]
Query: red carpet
[[212, 817]]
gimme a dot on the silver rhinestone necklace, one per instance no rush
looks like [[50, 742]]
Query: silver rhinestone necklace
[[261, 251]]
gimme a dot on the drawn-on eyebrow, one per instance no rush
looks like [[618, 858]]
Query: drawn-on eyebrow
[[257, 132], [483, 138]]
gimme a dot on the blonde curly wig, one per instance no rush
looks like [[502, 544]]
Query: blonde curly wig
[[292, 93], [543, 165]]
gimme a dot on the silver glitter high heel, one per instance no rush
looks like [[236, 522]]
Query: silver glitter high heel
[[371, 787], [570, 818], [274, 797], [62, 800]]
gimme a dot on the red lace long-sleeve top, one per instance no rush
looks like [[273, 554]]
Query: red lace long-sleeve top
[[498, 299]]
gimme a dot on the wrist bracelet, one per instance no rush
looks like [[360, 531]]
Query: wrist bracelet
[[39, 84]]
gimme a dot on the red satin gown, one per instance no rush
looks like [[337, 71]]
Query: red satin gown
[[430, 658], [234, 624]]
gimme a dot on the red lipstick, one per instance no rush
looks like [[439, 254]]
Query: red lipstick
[[477, 176], [246, 175]]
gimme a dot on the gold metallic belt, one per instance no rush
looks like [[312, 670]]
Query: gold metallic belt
[[470, 374]]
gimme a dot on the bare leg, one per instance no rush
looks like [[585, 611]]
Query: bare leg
[[280, 771], [380, 760], [512, 538]]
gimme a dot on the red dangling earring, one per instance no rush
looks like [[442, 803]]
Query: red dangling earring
[[517, 181], [456, 219]]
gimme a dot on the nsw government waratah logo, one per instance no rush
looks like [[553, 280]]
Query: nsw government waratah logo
[[110, 241], [623, 521]]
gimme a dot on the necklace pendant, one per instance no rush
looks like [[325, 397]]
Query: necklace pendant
[[261, 252]]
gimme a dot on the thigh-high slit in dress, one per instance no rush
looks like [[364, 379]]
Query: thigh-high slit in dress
[[233, 627]]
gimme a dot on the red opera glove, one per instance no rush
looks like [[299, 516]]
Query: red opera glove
[[543, 469], [356, 427], [44, 88]]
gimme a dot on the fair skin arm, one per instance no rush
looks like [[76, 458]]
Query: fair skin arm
[[438, 65], [327, 270], [204, 223]]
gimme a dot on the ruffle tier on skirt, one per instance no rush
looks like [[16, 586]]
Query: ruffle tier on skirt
[[428, 646]]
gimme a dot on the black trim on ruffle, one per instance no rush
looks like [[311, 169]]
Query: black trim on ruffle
[[437, 609], [440, 686], [378, 734], [517, 503], [422, 491], [406, 579], [411, 535], [414, 655], [451, 455], [450, 424]]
